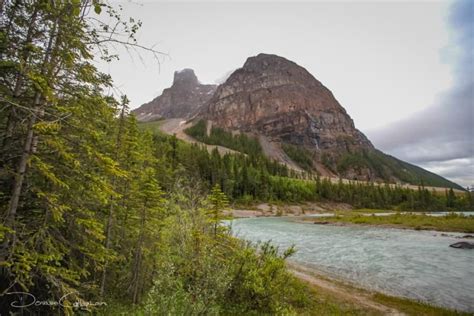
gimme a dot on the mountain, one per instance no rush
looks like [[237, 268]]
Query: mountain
[[276, 97], [289, 110], [182, 100]]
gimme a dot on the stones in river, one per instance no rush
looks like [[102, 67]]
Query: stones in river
[[463, 245]]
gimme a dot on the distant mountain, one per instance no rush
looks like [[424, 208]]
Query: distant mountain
[[275, 99], [183, 99]]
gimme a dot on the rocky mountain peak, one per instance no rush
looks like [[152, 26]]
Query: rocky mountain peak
[[273, 96], [186, 77], [262, 62], [182, 100], [273, 67]]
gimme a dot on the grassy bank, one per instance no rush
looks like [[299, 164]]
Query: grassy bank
[[448, 223], [414, 308], [332, 297]]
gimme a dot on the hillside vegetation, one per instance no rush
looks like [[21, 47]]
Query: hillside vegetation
[[384, 167], [387, 167], [218, 136], [300, 156], [255, 178]]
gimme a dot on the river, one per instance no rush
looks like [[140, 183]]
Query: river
[[416, 264]]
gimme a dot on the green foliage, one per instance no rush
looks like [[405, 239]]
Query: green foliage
[[410, 307], [299, 155], [355, 161], [387, 167], [449, 223], [201, 273], [247, 179], [217, 202], [450, 198], [218, 136], [72, 165], [198, 130], [152, 126], [217, 199]]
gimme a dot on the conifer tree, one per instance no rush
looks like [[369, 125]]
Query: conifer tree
[[57, 143], [218, 202], [450, 198]]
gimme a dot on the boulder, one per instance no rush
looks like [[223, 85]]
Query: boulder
[[463, 245]]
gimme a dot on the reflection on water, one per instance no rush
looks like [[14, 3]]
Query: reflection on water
[[415, 264]]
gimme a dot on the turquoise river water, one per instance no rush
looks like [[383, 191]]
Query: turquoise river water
[[414, 264]]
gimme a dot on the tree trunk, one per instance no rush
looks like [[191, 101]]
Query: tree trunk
[[108, 233], [107, 246], [138, 257], [20, 176], [17, 185], [10, 126]]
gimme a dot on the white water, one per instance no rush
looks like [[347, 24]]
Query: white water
[[415, 264]]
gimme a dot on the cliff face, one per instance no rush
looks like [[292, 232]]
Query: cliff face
[[273, 96], [182, 100]]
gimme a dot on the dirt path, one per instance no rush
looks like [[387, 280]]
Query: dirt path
[[354, 296], [177, 127]]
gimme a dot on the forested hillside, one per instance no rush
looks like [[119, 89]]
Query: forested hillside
[[383, 166], [255, 178]]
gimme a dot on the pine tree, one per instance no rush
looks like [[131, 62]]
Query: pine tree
[[57, 137], [450, 198], [218, 202]]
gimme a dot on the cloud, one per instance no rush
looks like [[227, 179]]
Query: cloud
[[458, 170], [441, 137]]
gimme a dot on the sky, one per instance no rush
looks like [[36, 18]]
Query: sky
[[402, 70]]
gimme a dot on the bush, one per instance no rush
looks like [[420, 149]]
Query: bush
[[198, 273]]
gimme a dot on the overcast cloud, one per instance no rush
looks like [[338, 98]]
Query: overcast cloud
[[441, 137]]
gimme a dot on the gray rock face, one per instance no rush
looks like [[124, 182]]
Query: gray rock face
[[463, 245], [275, 97], [182, 100]]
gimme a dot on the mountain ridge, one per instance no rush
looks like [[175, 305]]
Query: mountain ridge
[[270, 90], [182, 100], [273, 98]]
